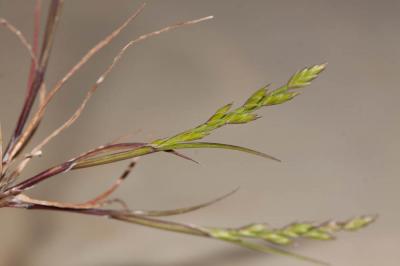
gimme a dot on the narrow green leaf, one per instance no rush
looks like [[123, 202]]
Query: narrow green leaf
[[113, 157], [184, 209], [270, 250], [196, 145]]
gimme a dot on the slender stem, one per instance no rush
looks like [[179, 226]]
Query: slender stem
[[1, 155], [35, 85], [24, 138], [35, 40], [28, 203]]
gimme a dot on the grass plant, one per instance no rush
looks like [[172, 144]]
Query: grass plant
[[15, 158]]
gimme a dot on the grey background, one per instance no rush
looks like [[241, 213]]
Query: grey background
[[339, 141]]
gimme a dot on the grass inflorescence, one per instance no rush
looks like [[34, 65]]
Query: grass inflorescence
[[14, 157]]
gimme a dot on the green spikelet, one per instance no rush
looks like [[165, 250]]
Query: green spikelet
[[244, 114], [288, 234]]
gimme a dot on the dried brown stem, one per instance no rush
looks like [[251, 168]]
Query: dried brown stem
[[35, 40], [1, 155], [21, 38], [39, 114], [22, 201], [103, 196], [32, 50], [16, 144], [98, 201]]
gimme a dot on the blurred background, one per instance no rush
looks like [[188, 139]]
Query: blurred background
[[339, 141]]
